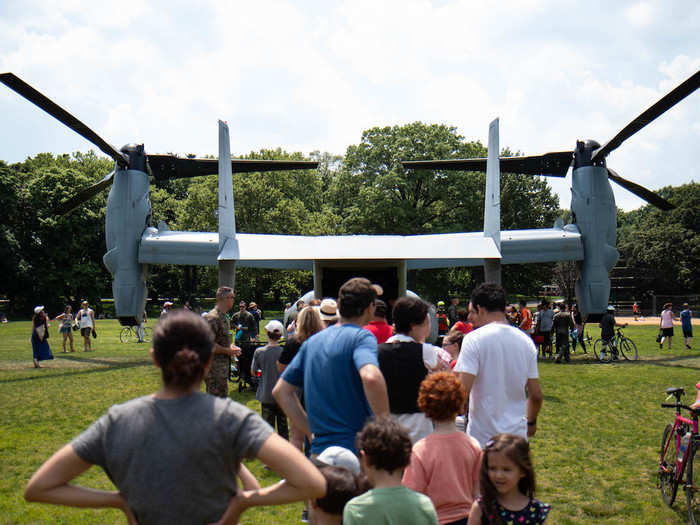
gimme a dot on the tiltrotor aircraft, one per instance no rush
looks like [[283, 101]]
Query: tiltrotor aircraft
[[133, 242]]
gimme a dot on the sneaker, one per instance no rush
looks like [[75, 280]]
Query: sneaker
[[602, 356], [661, 346], [305, 516], [688, 347]]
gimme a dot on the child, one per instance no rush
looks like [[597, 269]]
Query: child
[[265, 360], [507, 481], [445, 465], [341, 469], [686, 325], [385, 450]]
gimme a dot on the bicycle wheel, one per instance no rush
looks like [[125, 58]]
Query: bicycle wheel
[[147, 334], [125, 335], [601, 352], [667, 466], [629, 349], [692, 487]]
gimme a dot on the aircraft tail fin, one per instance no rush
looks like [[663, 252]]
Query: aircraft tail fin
[[227, 217], [492, 203]]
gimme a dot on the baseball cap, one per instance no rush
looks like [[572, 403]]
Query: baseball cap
[[274, 326], [167, 303], [340, 457], [38, 309], [611, 308]]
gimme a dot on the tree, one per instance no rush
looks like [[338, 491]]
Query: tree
[[56, 259], [374, 194], [664, 245]]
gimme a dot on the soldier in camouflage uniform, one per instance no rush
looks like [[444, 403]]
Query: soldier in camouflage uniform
[[217, 379]]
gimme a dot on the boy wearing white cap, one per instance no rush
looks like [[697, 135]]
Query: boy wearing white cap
[[265, 359]]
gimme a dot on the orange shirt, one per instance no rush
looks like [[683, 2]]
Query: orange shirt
[[525, 319], [445, 467]]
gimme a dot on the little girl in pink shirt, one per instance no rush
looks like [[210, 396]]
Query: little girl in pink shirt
[[445, 464]]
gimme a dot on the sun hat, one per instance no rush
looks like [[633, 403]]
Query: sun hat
[[340, 457], [38, 309], [253, 305], [328, 310], [274, 326]]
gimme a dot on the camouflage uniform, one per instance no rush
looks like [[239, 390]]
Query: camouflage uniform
[[217, 379]]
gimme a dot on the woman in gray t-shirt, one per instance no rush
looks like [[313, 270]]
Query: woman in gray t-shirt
[[174, 455]]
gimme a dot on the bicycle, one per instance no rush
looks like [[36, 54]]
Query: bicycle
[[130, 334], [619, 344], [679, 447]]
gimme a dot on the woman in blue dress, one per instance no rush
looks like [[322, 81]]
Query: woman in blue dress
[[40, 336]]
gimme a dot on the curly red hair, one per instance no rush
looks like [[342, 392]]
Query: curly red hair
[[441, 396]]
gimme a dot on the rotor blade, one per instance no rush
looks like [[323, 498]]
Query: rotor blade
[[84, 195], [554, 164], [641, 192], [32, 95], [166, 167], [664, 104]]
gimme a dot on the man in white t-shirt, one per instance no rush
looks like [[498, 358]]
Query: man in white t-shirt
[[498, 367]]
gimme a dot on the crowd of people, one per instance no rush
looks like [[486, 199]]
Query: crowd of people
[[359, 414]]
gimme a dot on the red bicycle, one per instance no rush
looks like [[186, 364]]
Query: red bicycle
[[679, 447]]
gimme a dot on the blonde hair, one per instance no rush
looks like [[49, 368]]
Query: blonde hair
[[309, 322]]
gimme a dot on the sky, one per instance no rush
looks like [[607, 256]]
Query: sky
[[313, 75]]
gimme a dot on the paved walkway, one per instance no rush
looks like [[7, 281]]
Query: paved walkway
[[648, 321]]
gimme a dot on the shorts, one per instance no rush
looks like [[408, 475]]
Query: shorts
[[546, 337], [667, 332], [64, 330], [688, 332], [85, 332]]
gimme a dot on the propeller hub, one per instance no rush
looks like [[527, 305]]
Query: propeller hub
[[584, 152], [137, 156]]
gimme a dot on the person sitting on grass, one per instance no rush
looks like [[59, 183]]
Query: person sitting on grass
[[385, 450], [445, 465], [174, 455], [265, 360], [507, 481]]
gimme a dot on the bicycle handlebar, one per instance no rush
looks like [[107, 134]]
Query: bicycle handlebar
[[693, 411]]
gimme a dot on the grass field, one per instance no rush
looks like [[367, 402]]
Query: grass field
[[595, 451]]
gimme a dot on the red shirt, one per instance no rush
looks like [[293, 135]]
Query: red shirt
[[380, 330]]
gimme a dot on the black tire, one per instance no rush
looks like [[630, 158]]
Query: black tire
[[126, 335], [667, 467], [597, 349], [692, 487], [147, 334], [629, 349]]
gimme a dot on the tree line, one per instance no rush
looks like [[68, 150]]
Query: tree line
[[53, 260]]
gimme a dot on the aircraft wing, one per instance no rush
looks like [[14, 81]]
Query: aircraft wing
[[299, 251]]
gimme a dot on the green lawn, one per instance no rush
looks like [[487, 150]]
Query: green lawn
[[595, 451]]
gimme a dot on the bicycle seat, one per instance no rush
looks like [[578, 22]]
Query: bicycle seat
[[672, 390]]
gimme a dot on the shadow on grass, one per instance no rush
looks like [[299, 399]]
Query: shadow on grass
[[107, 366]]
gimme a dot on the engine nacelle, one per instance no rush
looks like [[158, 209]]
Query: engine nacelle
[[127, 216]]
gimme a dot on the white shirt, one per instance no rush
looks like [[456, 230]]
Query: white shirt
[[430, 357], [86, 318], [502, 358]]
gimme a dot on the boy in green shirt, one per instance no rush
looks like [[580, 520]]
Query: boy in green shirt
[[385, 450]]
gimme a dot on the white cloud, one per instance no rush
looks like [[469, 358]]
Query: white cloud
[[314, 75]]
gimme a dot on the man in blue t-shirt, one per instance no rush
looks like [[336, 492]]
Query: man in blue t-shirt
[[339, 372]]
